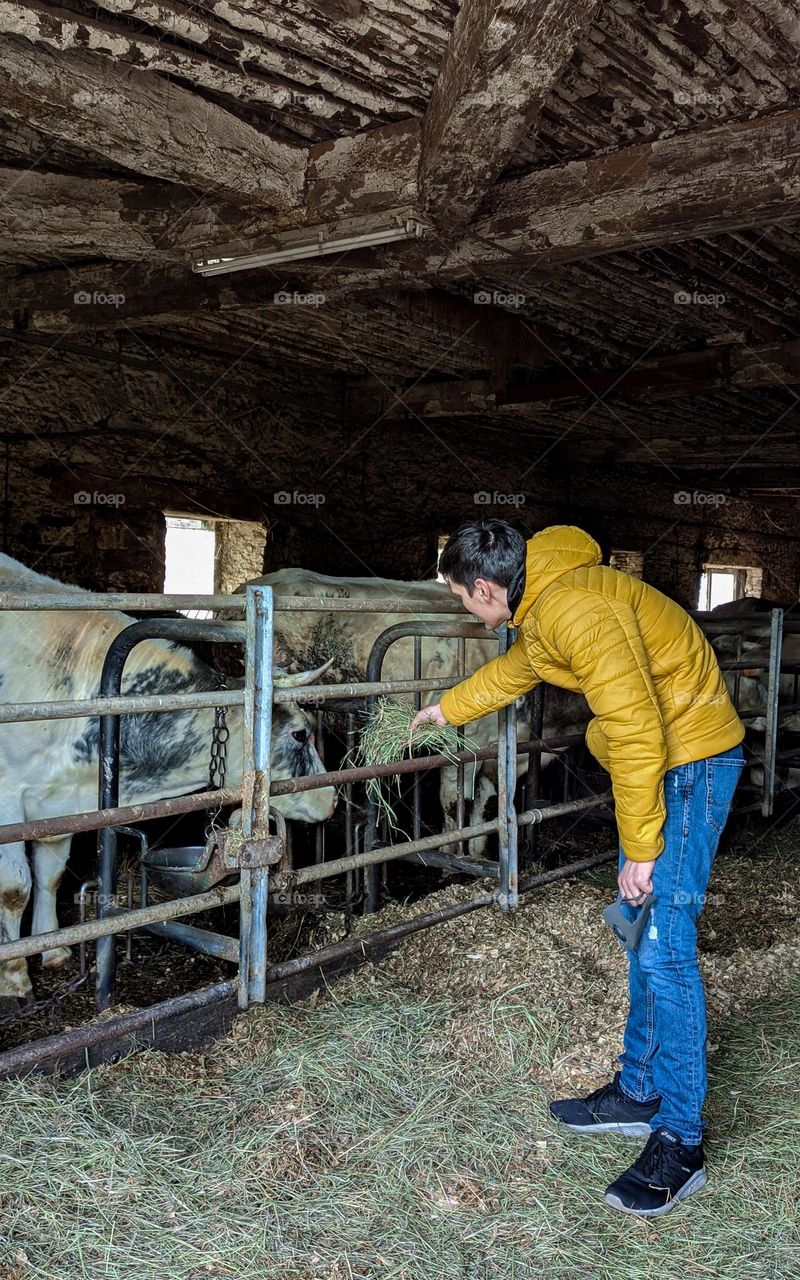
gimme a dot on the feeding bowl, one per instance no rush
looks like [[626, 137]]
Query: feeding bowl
[[188, 869]]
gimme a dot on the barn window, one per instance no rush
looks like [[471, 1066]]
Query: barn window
[[207, 556], [720, 584], [189, 559], [631, 562], [440, 548]]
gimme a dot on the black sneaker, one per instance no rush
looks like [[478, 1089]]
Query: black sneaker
[[607, 1110], [666, 1172]]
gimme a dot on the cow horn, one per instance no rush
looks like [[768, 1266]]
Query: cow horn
[[300, 677]]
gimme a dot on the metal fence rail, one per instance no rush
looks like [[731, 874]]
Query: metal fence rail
[[257, 699]]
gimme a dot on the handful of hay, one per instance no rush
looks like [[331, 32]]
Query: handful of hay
[[387, 736]]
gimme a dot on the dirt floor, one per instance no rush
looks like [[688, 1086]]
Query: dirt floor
[[396, 1126]]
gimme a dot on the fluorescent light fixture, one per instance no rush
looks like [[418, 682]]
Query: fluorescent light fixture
[[315, 242]]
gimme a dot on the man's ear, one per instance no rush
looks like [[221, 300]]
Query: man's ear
[[484, 589]]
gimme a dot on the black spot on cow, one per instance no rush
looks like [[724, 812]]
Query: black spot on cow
[[156, 743]]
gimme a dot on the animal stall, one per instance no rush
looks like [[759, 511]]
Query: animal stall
[[257, 856], [762, 672]]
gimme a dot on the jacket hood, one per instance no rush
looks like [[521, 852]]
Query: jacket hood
[[551, 553]]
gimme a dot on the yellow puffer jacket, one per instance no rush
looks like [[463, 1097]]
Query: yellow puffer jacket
[[644, 666]]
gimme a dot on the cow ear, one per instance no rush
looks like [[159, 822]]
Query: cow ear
[[282, 680]]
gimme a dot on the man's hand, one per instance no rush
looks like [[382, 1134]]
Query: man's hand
[[635, 880], [428, 713]]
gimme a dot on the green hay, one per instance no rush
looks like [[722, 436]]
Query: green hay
[[386, 737]]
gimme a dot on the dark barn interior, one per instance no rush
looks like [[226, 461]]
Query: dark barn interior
[[308, 284], [598, 324]]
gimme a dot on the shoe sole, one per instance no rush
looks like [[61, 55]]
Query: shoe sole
[[695, 1183], [633, 1130]]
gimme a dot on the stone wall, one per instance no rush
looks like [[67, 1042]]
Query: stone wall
[[96, 456]]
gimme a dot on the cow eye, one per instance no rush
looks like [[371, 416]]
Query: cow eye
[[300, 735]]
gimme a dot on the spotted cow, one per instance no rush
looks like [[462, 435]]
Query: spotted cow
[[50, 768]]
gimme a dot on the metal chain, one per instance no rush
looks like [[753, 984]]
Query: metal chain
[[219, 751], [30, 1010], [218, 764]]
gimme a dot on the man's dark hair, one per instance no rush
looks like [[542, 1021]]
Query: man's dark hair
[[491, 549]]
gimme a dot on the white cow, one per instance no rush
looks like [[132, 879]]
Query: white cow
[[50, 768], [347, 639]]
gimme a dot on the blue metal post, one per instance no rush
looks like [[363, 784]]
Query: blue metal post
[[773, 695], [256, 780], [508, 891]]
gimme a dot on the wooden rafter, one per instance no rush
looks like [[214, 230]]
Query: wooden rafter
[[150, 125], [698, 184], [499, 67], [688, 373]]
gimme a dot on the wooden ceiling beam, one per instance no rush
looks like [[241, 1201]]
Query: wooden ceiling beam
[[64, 29], [683, 374], [148, 124], [54, 215], [499, 67], [691, 186], [694, 185]]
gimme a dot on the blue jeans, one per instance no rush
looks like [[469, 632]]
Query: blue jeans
[[664, 1051]]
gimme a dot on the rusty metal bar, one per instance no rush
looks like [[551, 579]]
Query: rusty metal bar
[[134, 704], [118, 923], [93, 820], [391, 852], [257, 764], [141, 602], [417, 764], [396, 932], [416, 791], [461, 804], [366, 689], [533, 774], [507, 893], [26, 1057], [773, 695], [205, 941]]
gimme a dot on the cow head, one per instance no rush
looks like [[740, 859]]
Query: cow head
[[294, 752], [169, 753]]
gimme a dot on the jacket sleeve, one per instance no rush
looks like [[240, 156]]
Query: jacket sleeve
[[601, 642], [492, 686]]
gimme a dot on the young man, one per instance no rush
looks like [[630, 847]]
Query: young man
[[667, 732]]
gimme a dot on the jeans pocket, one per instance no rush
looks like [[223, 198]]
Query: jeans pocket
[[722, 777]]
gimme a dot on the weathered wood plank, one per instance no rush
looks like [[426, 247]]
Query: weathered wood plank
[[238, 35], [499, 67], [64, 29], [696, 184], [148, 124], [53, 215], [365, 173]]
